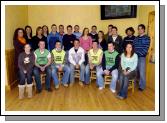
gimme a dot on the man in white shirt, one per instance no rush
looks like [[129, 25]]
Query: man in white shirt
[[76, 59]]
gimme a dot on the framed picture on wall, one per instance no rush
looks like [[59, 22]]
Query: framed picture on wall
[[118, 11]]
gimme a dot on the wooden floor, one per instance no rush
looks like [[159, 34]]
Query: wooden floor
[[77, 98]]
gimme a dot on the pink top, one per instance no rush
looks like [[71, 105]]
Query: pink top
[[86, 44]]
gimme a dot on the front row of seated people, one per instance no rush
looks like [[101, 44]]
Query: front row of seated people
[[120, 67]]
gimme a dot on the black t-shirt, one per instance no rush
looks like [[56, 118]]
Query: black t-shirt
[[104, 45], [93, 36], [68, 41], [127, 40], [35, 41]]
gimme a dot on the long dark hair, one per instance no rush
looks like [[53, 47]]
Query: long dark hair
[[30, 29], [38, 28], [46, 27], [84, 31], [133, 50], [102, 33], [15, 36]]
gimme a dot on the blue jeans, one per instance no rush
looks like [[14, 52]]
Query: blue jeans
[[66, 57], [23, 76], [87, 73], [82, 72], [142, 72], [38, 79], [65, 78], [100, 79], [124, 82]]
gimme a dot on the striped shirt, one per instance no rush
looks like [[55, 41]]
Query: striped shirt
[[141, 45]]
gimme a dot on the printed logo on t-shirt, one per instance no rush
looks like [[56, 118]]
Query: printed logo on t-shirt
[[110, 60], [94, 58], [26, 60], [58, 58]]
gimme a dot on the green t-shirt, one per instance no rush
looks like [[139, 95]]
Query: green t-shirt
[[42, 58], [110, 57]]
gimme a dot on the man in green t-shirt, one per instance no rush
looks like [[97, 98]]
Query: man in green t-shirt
[[58, 64], [110, 64], [42, 64], [95, 58]]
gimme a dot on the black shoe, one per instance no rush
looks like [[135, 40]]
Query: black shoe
[[140, 89], [49, 90], [39, 91]]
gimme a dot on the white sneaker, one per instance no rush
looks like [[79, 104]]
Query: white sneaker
[[81, 83], [57, 86], [100, 88], [65, 85], [112, 90]]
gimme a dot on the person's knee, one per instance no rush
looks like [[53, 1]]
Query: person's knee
[[36, 71], [48, 71], [99, 73], [82, 67], [53, 70], [72, 67], [115, 74]]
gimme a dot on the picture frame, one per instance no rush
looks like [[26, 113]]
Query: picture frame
[[118, 11]]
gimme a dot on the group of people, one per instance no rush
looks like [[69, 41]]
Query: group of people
[[52, 52]]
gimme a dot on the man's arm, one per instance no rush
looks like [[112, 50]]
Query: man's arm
[[103, 62], [82, 58], [70, 58], [49, 60], [101, 56]]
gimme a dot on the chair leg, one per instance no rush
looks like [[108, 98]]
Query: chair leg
[[133, 89], [104, 82], [59, 76], [90, 77]]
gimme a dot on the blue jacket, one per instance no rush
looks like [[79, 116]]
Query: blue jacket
[[51, 39]]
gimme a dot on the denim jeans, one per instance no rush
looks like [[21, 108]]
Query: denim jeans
[[124, 82], [86, 59], [100, 79], [87, 73], [66, 57], [82, 72], [23, 76], [142, 72], [38, 78], [65, 78]]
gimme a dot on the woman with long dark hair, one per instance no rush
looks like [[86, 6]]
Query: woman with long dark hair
[[85, 40], [45, 30], [102, 41], [28, 36], [129, 61], [38, 37], [18, 42]]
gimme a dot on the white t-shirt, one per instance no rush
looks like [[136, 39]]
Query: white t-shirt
[[114, 38]]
